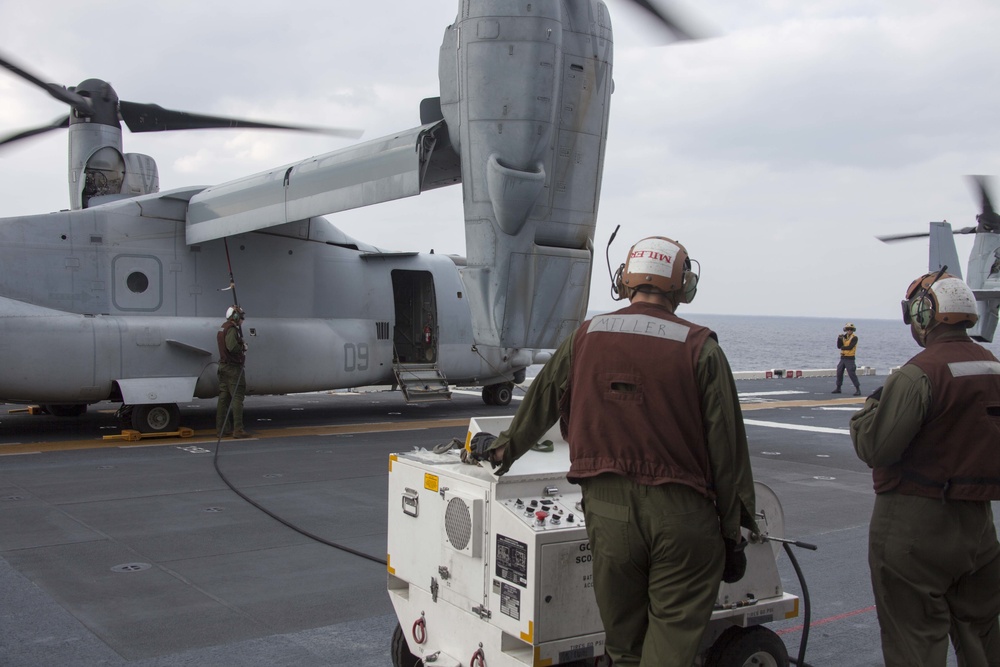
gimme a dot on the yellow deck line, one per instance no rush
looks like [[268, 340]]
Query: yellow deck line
[[856, 400], [208, 436]]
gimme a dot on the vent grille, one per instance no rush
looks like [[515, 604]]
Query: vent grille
[[458, 523]]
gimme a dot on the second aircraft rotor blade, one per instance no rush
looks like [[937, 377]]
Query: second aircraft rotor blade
[[78, 102], [58, 123], [154, 118]]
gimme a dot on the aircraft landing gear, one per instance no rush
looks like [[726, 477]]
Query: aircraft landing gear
[[498, 394], [158, 418], [65, 409]]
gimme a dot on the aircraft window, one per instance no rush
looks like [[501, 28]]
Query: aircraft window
[[137, 282]]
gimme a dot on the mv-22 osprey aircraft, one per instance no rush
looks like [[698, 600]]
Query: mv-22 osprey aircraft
[[118, 298], [983, 274]]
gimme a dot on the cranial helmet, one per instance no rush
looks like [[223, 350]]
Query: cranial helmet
[[850, 327], [661, 263], [235, 313], [939, 297]]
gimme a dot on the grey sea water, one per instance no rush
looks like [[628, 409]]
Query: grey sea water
[[755, 343], [760, 342]]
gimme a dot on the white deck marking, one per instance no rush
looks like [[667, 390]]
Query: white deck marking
[[797, 427], [770, 393]]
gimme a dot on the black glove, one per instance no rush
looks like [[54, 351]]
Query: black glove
[[480, 448], [877, 394], [736, 560]]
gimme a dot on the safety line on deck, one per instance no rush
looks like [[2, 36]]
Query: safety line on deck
[[797, 427], [200, 436], [802, 404], [824, 621]]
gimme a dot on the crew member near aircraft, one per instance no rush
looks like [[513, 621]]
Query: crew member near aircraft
[[232, 375], [932, 436], [847, 343], [648, 405]]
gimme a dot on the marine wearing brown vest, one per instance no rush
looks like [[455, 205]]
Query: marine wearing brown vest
[[956, 455], [656, 377]]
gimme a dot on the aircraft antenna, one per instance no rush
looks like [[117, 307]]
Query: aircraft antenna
[[232, 286], [232, 281], [607, 258]]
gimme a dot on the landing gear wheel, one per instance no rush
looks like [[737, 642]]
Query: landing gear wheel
[[161, 418], [502, 393], [747, 647], [65, 409], [400, 652], [489, 397]]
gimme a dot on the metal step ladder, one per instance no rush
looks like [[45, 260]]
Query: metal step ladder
[[421, 383]]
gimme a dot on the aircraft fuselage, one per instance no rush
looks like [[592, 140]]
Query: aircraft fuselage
[[111, 302]]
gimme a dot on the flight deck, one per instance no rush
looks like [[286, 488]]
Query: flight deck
[[121, 553]]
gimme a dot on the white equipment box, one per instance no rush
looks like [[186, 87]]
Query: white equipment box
[[497, 570]]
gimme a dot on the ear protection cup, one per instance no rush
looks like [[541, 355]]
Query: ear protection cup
[[922, 311], [689, 286]]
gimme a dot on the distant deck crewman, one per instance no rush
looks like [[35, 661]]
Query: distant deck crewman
[[847, 343], [232, 374]]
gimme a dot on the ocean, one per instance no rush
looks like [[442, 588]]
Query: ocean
[[760, 342]]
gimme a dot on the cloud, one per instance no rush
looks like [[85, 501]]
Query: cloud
[[776, 151]]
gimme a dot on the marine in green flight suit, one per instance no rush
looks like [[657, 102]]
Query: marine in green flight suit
[[648, 405], [932, 436]]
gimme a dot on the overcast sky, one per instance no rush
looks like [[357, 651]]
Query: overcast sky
[[775, 152]]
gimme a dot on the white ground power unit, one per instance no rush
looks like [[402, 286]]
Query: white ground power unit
[[496, 571]]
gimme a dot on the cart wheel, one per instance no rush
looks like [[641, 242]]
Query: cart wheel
[[747, 647], [400, 652]]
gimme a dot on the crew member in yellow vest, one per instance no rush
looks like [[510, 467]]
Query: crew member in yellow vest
[[847, 343]]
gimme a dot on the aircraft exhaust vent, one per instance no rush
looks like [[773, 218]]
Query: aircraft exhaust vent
[[463, 524]]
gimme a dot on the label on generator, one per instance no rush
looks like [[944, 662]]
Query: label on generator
[[512, 560], [510, 601]]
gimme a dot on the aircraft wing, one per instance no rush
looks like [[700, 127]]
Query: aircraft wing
[[375, 171]]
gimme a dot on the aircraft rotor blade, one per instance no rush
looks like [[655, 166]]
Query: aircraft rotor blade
[[154, 118], [61, 93], [890, 238], [57, 124], [988, 220], [680, 28]]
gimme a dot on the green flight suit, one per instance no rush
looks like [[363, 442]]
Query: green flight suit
[[658, 550], [232, 388], [935, 566]]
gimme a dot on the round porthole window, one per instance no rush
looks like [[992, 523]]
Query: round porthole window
[[137, 282]]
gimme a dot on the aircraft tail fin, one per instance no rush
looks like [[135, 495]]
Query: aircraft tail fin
[[942, 250]]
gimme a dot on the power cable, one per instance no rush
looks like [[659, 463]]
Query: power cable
[[289, 524]]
